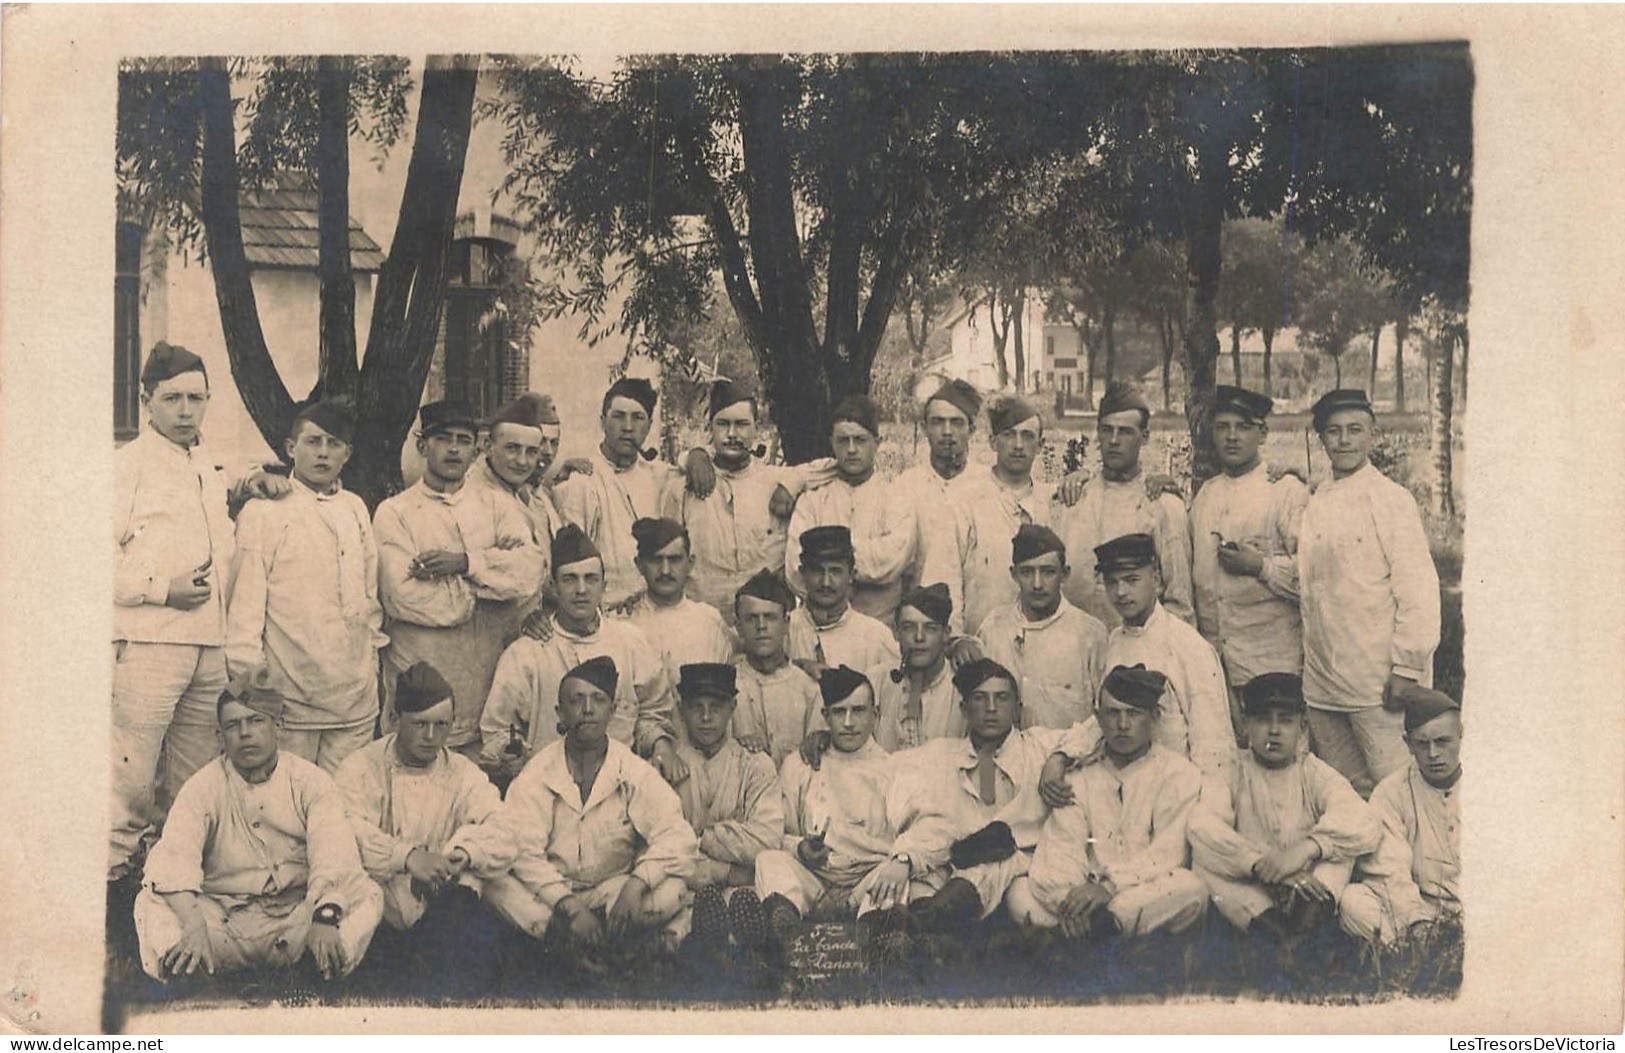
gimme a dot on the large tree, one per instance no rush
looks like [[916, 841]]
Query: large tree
[[180, 165]]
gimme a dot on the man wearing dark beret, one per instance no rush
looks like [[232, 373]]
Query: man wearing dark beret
[[777, 699], [223, 894], [304, 599], [917, 699], [969, 809], [1244, 536], [681, 629], [732, 800], [829, 631], [173, 552], [1196, 723], [518, 719], [1370, 599], [1056, 650], [740, 526], [883, 528], [1117, 861], [1414, 880], [603, 851], [1121, 500], [458, 568], [420, 814], [1277, 841]]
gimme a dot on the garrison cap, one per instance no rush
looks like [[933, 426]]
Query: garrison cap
[[975, 673], [1008, 412], [530, 410], [768, 585], [255, 690], [860, 410], [599, 672], [169, 360], [420, 687], [637, 389], [1120, 395], [572, 545], [652, 535], [932, 601], [1033, 540], [334, 416], [1423, 704], [725, 393], [838, 684], [960, 395], [1135, 685]]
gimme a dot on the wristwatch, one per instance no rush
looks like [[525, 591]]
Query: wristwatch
[[328, 914]]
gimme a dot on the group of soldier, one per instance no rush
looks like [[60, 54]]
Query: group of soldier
[[624, 703]]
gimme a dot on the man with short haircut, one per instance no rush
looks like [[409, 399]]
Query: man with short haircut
[[1117, 502], [741, 525], [732, 800], [258, 862], [840, 850], [1196, 721], [1117, 860], [684, 631], [1414, 879], [457, 565], [778, 701], [917, 699], [172, 542], [518, 720], [304, 595], [948, 418], [968, 810], [828, 631], [1370, 599], [1056, 650], [1244, 535], [1277, 843], [419, 810], [524, 441], [603, 851], [882, 527]]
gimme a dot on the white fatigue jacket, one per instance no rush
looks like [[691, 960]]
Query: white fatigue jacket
[[229, 838], [394, 808], [1110, 509], [934, 499], [525, 691], [934, 799], [1254, 623], [1369, 591], [683, 633], [779, 707], [631, 823], [604, 505], [976, 567], [1135, 815], [733, 533], [533, 501], [733, 802], [1197, 725], [1418, 867], [169, 517], [1059, 661], [457, 624], [304, 604], [854, 640], [883, 536], [1259, 810], [845, 800], [937, 716]]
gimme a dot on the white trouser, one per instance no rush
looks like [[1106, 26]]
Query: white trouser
[[780, 872], [1364, 745], [1173, 902], [1242, 901], [325, 747], [509, 897]]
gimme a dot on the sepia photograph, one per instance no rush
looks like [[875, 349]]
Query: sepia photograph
[[789, 528]]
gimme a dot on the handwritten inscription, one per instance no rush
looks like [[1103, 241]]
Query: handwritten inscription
[[825, 951]]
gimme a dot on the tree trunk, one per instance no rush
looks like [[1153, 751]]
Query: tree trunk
[[1268, 333], [1464, 346], [1018, 318], [996, 306], [263, 393], [1088, 376], [1376, 337], [1235, 353], [1165, 330], [1108, 323], [1203, 216], [337, 369], [1402, 328], [412, 284], [1440, 409]]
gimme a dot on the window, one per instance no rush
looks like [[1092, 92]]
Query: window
[[127, 331], [474, 358], [1066, 363], [1049, 347]]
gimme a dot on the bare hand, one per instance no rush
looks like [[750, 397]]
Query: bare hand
[[809, 666], [324, 946], [585, 928], [1072, 487], [1304, 883], [1159, 484], [1053, 786], [891, 883], [1238, 557], [627, 912], [191, 952], [782, 503], [431, 869], [754, 742], [263, 484], [1277, 472], [572, 466], [701, 473], [459, 860], [813, 748], [1080, 905], [538, 625], [1396, 692], [965, 649], [190, 589], [665, 759], [813, 853], [1275, 867], [438, 563]]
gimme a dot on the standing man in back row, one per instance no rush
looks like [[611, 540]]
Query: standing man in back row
[[1370, 600]]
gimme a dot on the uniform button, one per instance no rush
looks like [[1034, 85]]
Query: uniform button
[[255, 824]]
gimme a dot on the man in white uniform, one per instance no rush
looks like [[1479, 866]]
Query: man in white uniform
[[917, 699], [778, 701], [684, 631], [949, 418], [829, 631]]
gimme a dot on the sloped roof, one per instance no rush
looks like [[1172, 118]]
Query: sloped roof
[[280, 230]]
